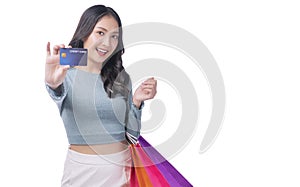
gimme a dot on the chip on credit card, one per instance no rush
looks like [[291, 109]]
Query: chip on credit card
[[73, 56]]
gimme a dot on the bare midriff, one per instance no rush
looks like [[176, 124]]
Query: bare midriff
[[100, 149]]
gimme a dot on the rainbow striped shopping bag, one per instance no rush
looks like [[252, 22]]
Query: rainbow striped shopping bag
[[151, 169]]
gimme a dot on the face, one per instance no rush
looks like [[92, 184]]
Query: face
[[103, 40]]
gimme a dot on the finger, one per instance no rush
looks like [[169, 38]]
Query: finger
[[149, 91], [56, 48], [148, 86], [62, 45], [150, 80], [48, 49], [65, 67], [52, 60]]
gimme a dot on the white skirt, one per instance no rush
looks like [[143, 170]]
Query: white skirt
[[85, 170]]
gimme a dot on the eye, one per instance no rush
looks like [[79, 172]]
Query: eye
[[116, 37], [101, 33]]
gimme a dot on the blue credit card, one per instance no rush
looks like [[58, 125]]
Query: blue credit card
[[73, 56]]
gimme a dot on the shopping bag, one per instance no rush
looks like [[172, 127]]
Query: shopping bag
[[144, 171], [150, 168], [170, 173]]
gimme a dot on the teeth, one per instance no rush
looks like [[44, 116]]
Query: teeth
[[101, 50]]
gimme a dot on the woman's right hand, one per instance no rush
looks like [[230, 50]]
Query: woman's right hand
[[54, 72]]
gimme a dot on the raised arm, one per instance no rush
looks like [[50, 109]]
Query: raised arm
[[55, 75], [54, 72], [146, 91]]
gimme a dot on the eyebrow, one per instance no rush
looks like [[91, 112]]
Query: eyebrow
[[106, 29]]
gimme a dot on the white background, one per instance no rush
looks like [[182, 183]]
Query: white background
[[255, 43]]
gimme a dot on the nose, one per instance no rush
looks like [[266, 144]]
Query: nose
[[106, 41]]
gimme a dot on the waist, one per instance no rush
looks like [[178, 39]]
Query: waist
[[100, 149], [120, 158]]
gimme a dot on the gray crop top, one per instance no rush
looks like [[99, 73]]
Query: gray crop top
[[89, 115]]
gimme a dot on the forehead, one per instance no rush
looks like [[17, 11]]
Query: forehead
[[108, 23]]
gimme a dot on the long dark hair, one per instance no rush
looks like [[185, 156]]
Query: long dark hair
[[115, 79]]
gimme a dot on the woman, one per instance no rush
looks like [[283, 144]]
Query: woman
[[96, 103]]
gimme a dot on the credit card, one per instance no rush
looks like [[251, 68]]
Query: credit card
[[73, 56]]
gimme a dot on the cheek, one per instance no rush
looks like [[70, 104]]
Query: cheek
[[91, 41], [114, 45]]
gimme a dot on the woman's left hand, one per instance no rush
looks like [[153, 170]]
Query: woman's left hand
[[147, 90]]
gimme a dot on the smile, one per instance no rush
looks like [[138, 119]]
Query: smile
[[101, 51]]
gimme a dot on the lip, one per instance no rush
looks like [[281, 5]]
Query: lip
[[101, 52]]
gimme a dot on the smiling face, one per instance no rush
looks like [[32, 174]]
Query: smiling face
[[103, 40]]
